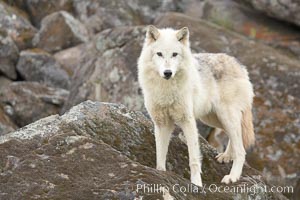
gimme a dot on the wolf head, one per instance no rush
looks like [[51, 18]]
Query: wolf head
[[166, 50]]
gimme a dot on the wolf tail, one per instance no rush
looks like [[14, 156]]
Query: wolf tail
[[247, 128]]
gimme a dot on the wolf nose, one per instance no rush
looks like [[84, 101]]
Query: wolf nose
[[168, 74]]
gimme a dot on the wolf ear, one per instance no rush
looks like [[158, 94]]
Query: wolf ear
[[152, 34], [183, 35]]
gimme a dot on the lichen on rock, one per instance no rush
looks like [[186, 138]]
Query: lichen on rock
[[103, 150]]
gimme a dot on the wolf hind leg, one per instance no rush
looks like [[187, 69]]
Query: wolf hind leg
[[195, 159], [162, 139], [226, 156], [212, 120], [231, 122]]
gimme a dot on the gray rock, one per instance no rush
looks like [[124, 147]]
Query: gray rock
[[16, 25], [39, 66], [40, 9], [58, 31], [286, 10], [276, 80], [103, 151], [26, 102], [9, 55]]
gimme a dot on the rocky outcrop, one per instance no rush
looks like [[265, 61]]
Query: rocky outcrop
[[276, 81], [26, 102], [39, 66], [9, 55], [104, 151], [15, 24], [58, 31], [288, 11]]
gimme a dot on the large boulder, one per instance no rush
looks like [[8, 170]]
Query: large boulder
[[276, 81], [102, 14], [26, 102], [288, 10], [16, 25], [108, 69], [105, 151], [58, 31], [9, 55], [39, 66]]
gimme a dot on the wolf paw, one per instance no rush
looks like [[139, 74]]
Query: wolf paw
[[229, 179], [224, 157], [161, 168], [196, 179]]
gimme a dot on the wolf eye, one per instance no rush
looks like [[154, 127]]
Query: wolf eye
[[159, 54], [174, 54]]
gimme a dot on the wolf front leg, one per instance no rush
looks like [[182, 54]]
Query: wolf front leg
[[162, 139], [195, 159]]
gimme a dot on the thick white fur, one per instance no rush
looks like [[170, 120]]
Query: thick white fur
[[214, 88]]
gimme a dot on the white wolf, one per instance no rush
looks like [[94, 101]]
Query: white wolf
[[180, 87]]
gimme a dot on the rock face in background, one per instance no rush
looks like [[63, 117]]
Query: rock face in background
[[276, 81], [9, 55], [38, 65], [108, 62], [16, 24], [284, 10], [247, 21], [58, 31], [26, 102], [97, 151]]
